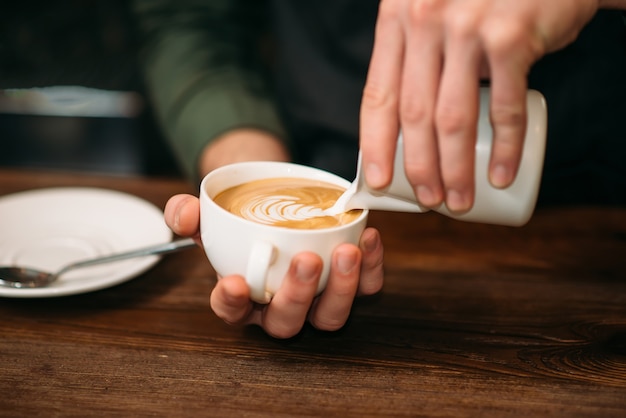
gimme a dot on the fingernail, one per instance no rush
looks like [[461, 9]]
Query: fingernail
[[370, 244], [346, 262], [177, 212], [306, 271], [457, 201], [176, 219], [425, 195], [500, 176], [374, 176]]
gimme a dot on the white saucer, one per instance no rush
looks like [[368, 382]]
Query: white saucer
[[49, 228]]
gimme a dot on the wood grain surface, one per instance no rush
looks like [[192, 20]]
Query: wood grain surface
[[474, 320]]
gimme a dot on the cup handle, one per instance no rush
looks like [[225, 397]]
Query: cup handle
[[261, 258]]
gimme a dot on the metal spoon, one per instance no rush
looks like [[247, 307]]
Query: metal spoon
[[21, 277]]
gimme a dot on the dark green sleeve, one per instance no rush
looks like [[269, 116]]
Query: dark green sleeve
[[203, 71]]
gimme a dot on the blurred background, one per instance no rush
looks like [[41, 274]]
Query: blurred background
[[71, 95]]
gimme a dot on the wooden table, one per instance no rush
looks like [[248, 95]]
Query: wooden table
[[474, 320]]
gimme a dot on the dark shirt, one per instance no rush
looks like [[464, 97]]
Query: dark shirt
[[310, 92]]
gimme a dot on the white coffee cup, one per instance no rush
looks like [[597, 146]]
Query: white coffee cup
[[258, 252], [512, 206]]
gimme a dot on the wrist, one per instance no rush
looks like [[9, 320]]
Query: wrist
[[240, 145]]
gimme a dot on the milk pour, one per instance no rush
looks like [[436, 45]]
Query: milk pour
[[398, 196]]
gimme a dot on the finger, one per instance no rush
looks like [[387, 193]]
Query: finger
[[379, 106], [182, 214], [285, 315], [457, 111], [508, 100], [230, 300], [420, 81], [332, 308], [371, 246]]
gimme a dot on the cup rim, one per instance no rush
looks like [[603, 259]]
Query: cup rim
[[324, 176]]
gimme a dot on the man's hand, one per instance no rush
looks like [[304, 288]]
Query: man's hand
[[354, 271], [428, 59]]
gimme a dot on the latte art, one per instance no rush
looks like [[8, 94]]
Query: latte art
[[286, 202], [272, 209]]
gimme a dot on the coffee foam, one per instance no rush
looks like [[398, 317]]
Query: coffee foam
[[286, 202]]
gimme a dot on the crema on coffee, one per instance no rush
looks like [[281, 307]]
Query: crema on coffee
[[286, 202]]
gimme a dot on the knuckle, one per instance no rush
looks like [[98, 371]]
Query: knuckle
[[375, 97], [423, 10], [508, 115], [503, 37], [413, 111], [500, 37], [463, 25], [451, 120]]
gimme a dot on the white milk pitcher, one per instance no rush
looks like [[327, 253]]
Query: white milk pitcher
[[512, 206]]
